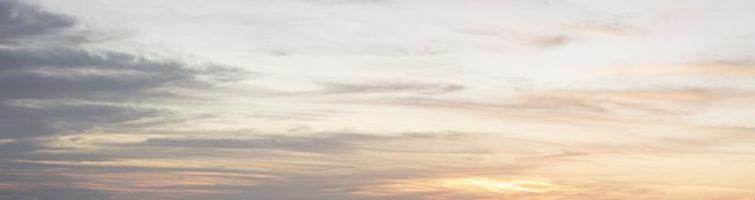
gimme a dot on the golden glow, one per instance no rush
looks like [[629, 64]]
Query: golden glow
[[498, 186], [480, 187]]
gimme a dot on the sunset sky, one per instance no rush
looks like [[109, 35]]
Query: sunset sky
[[377, 100]]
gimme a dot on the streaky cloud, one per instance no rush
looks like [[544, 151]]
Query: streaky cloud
[[389, 86]]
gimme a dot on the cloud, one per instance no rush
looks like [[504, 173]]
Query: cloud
[[36, 67], [611, 28], [55, 193], [314, 143], [433, 165], [341, 164], [22, 21], [76, 116], [721, 68], [338, 2], [51, 85], [551, 41], [22, 122], [388, 87], [321, 143], [586, 106], [345, 88], [42, 73]]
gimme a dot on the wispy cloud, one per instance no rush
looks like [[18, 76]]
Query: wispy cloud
[[611, 28], [389, 86], [551, 41], [726, 68]]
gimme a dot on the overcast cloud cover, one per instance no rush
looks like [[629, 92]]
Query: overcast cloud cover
[[377, 99]]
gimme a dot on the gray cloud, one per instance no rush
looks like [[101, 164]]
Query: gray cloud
[[390, 86], [20, 21], [53, 71], [50, 86], [54, 193], [20, 121], [77, 73], [415, 143], [328, 142]]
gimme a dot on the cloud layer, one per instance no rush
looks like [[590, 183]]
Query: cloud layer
[[376, 99]]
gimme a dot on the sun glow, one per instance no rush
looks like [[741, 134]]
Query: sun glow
[[499, 186], [474, 186]]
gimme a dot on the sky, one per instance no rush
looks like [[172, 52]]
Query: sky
[[377, 99]]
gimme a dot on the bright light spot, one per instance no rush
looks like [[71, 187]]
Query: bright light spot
[[500, 186], [472, 186]]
